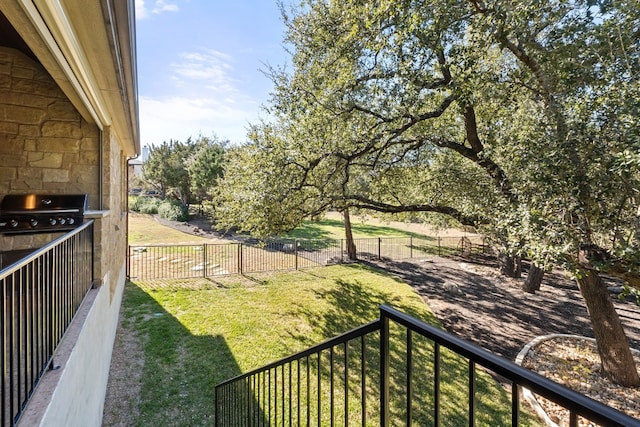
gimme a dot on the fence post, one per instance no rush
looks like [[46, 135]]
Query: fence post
[[439, 250], [410, 246], [295, 246], [204, 260], [379, 245], [341, 250], [240, 258]]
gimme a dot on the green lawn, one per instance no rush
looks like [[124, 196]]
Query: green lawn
[[197, 334], [334, 229], [145, 230]]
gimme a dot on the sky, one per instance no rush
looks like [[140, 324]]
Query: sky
[[199, 66]]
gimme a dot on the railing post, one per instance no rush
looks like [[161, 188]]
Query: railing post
[[295, 248], [384, 370], [217, 406], [379, 245], [128, 267], [341, 250], [240, 258]]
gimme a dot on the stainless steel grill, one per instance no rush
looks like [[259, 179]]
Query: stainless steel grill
[[37, 213]]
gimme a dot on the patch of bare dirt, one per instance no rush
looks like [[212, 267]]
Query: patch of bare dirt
[[125, 379], [475, 302]]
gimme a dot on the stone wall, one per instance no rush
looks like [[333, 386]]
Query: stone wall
[[45, 145]]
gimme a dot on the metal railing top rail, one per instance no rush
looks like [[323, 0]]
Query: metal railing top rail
[[574, 401], [332, 342], [38, 252]]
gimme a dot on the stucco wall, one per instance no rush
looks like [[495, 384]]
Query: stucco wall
[[47, 147]]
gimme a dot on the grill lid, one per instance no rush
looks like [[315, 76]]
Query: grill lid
[[13, 204]]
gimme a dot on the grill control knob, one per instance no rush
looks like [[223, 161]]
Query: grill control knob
[[13, 223], [53, 221], [33, 222], [62, 221], [71, 221]]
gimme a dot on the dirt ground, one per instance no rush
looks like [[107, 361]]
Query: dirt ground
[[476, 303]]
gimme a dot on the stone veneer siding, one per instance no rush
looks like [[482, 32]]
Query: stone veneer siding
[[45, 144], [47, 147]]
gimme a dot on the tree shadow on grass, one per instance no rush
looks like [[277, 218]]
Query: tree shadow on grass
[[179, 369], [350, 301]]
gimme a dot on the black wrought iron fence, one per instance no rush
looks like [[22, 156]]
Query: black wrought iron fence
[[396, 370], [206, 260], [41, 294]]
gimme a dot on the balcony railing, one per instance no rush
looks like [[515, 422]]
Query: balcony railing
[[40, 295], [396, 370]]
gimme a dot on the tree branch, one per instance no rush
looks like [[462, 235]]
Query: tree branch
[[362, 202]]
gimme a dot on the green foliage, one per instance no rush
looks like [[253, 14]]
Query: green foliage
[[205, 166], [173, 210], [134, 203], [520, 120], [185, 170], [145, 205]]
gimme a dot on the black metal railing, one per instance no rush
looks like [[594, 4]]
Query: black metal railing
[[41, 294], [396, 370], [207, 260]]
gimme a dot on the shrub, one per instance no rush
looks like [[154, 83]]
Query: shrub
[[173, 210], [134, 203], [149, 205]]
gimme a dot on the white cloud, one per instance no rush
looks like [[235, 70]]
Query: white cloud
[[207, 98], [180, 117], [159, 6], [208, 69], [141, 10], [162, 6]]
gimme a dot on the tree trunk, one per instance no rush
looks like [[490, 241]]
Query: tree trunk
[[517, 267], [511, 265], [506, 264], [613, 345], [351, 246], [534, 279]]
